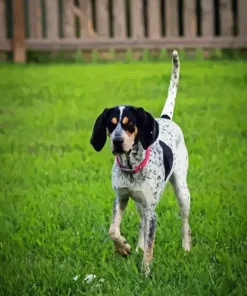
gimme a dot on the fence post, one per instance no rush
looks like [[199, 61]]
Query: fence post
[[2, 21], [189, 18], [85, 10], [34, 19], [51, 7], [207, 18], [68, 19], [102, 18], [2, 28], [119, 19], [154, 19], [137, 19], [19, 42], [171, 16], [226, 18], [242, 18]]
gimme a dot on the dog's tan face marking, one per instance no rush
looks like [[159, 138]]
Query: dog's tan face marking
[[125, 120], [129, 138], [114, 120], [132, 134]]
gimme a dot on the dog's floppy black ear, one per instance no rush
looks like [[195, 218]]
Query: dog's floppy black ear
[[148, 127], [99, 137]]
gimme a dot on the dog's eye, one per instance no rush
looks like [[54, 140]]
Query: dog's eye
[[130, 123]]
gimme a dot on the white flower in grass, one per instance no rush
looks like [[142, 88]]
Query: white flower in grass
[[76, 278], [89, 278]]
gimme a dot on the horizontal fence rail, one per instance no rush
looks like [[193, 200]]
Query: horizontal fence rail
[[121, 24]]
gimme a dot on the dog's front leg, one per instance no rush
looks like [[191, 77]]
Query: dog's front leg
[[149, 236], [119, 241], [140, 243]]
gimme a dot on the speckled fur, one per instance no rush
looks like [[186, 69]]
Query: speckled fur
[[147, 186]]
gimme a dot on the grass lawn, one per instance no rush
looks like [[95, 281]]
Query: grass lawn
[[55, 190]]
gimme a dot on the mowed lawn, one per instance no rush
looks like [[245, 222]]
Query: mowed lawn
[[55, 190]]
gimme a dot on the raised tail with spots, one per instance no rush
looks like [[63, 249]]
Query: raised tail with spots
[[168, 109]]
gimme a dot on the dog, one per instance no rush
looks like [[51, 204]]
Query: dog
[[149, 152]]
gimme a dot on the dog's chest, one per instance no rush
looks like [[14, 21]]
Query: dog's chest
[[146, 185], [140, 191]]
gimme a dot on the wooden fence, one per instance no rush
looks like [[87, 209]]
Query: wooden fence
[[120, 24]]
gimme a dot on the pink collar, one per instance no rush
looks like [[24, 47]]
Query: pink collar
[[138, 167]]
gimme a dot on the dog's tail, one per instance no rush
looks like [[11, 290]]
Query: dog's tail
[[168, 109]]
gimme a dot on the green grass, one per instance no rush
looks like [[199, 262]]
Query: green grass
[[56, 197]]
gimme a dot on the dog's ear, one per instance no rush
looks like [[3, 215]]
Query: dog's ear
[[148, 127], [99, 136]]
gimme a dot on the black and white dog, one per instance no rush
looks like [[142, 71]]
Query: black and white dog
[[149, 153]]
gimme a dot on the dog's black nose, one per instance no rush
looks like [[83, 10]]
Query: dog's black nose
[[118, 141]]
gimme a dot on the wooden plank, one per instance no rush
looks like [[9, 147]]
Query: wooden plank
[[77, 11], [90, 26], [119, 20], [171, 17], [242, 17], [3, 32], [226, 18], [137, 24], [169, 43], [51, 7], [83, 12], [207, 18], [189, 18], [102, 18], [154, 19], [5, 45], [68, 19], [34, 12], [19, 44]]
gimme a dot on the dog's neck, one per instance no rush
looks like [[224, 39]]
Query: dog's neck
[[134, 157]]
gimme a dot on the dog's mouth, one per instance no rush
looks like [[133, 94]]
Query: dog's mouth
[[118, 148], [118, 151]]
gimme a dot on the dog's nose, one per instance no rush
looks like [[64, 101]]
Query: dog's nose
[[118, 141]]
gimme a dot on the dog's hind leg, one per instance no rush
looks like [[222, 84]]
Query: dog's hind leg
[[179, 183], [119, 241], [149, 216]]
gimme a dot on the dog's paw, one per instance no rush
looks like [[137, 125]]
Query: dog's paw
[[123, 250], [186, 242], [122, 247], [146, 270], [186, 247]]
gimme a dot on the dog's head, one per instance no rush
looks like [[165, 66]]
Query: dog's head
[[125, 125]]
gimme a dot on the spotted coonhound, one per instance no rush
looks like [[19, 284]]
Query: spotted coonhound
[[149, 152]]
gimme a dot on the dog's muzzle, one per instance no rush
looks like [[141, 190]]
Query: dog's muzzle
[[118, 145]]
